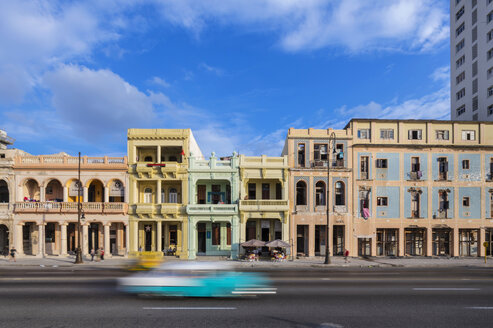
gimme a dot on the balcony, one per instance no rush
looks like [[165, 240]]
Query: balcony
[[70, 207], [172, 209], [273, 205], [335, 164], [218, 209], [339, 209], [166, 169], [146, 208], [415, 175]]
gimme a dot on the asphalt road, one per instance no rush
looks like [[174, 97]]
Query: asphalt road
[[452, 297]]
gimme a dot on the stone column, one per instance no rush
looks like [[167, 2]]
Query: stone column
[[18, 242], [429, 242], [481, 249], [42, 193], [192, 237], [158, 192], [107, 248], [63, 238], [235, 237], [134, 230], [127, 238], [106, 194], [65, 194], [85, 239], [159, 236], [158, 154], [311, 240], [402, 242], [41, 239], [455, 250], [85, 193]]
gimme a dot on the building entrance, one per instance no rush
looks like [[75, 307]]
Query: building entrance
[[201, 238], [320, 236], [441, 242], [148, 237], [364, 246], [4, 238], [302, 240], [415, 241], [338, 240], [387, 242]]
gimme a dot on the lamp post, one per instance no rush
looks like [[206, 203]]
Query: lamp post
[[78, 254], [332, 140]]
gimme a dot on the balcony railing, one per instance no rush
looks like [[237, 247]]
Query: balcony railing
[[69, 207], [334, 164], [212, 209], [264, 205], [415, 175], [49, 160]]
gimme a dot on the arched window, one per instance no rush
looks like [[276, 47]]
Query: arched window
[[340, 193], [301, 193], [4, 192], [173, 195], [320, 194], [147, 195]]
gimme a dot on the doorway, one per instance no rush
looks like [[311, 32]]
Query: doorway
[[441, 242], [201, 238], [148, 237], [364, 246], [302, 240], [338, 240]]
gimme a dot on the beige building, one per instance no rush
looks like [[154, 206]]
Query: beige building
[[45, 219], [6, 190], [401, 188]]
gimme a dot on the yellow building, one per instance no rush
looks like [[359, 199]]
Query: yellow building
[[158, 178], [264, 204]]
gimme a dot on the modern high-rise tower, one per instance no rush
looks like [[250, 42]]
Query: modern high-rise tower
[[471, 60]]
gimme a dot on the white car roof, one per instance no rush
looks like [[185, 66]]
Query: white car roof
[[194, 266]]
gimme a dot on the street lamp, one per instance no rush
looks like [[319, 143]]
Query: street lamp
[[332, 140], [78, 254]]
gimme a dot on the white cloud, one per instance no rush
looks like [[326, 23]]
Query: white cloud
[[356, 25], [211, 69], [97, 102], [161, 82]]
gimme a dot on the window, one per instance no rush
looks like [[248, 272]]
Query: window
[[320, 152], [443, 205], [460, 77], [382, 163], [301, 154], [489, 54], [489, 17], [363, 133], [265, 191], [415, 204], [442, 135], [278, 191], [216, 196], [216, 234], [386, 133], [301, 193], [442, 168], [173, 196], [382, 201], [475, 64], [252, 191], [475, 38], [459, 62], [474, 3], [320, 194], [465, 201], [148, 159], [461, 110], [490, 110], [475, 103], [489, 35], [475, 86], [459, 13], [460, 94], [490, 91], [415, 167], [228, 233], [460, 45], [474, 16], [460, 29], [147, 195], [457, 2], [475, 117], [340, 193], [364, 169], [415, 134], [468, 135], [465, 164]]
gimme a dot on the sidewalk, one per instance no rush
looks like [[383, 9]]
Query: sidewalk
[[315, 262]]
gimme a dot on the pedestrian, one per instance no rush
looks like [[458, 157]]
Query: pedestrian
[[102, 254], [12, 254], [346, 255], [140, 249], [92, 254], [98, 255]]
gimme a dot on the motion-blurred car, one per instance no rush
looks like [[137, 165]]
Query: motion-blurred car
[[196, 279], [144, 261]]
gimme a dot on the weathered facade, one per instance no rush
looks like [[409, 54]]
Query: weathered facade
[[7, 196]]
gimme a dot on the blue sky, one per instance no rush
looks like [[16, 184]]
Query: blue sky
[[75, 76]]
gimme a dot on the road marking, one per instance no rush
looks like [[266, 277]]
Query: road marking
[[480, 307], [436, 288], [325, 278], [189, 308]]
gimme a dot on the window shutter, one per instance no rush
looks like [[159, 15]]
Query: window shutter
[[419, 134], [472, 135], [359, 134], [464, 136], [446, 166], [409, 134], [446, 135]]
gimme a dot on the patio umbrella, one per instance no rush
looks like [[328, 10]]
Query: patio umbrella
[[253, 243], [278, 243]]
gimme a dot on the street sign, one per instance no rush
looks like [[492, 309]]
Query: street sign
[[485, 244]]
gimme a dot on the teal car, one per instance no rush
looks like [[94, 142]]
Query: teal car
[[196, 279]]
